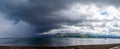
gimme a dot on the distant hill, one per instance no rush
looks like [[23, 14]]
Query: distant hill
[[76, 35]]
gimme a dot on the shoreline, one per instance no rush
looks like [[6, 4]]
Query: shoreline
[[102, 46]]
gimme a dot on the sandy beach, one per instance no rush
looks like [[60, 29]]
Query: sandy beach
[[105, 46]]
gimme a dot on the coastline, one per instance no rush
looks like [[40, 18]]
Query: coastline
[[103, 46]]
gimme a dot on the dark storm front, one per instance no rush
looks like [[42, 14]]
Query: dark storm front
[[55, 41]]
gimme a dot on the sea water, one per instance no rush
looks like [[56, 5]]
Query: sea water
[[56, 41]]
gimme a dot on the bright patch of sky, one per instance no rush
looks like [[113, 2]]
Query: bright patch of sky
[[98, 20]]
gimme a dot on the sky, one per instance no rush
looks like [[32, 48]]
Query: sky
[[31, 18]]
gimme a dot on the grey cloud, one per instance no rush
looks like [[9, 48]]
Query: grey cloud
[[8, 29], [35, 12], [40, 12]]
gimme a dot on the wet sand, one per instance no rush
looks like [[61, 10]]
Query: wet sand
[[105, 46]]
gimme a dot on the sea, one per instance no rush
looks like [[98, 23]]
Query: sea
[[56, 41]]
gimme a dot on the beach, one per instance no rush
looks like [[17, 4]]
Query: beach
[[105, 46]]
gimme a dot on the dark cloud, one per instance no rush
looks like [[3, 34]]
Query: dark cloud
[[35, 12], [39, 13]]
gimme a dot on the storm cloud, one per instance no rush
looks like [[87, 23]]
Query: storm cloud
[[35, 12], [46, 15]]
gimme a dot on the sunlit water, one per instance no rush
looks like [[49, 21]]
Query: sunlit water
[[56, 41]]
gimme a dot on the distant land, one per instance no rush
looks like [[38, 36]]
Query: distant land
[[76, 35]]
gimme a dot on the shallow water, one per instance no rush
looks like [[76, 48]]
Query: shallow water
[[56, 41]]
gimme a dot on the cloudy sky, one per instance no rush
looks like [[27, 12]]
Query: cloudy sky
[[30, 18]]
